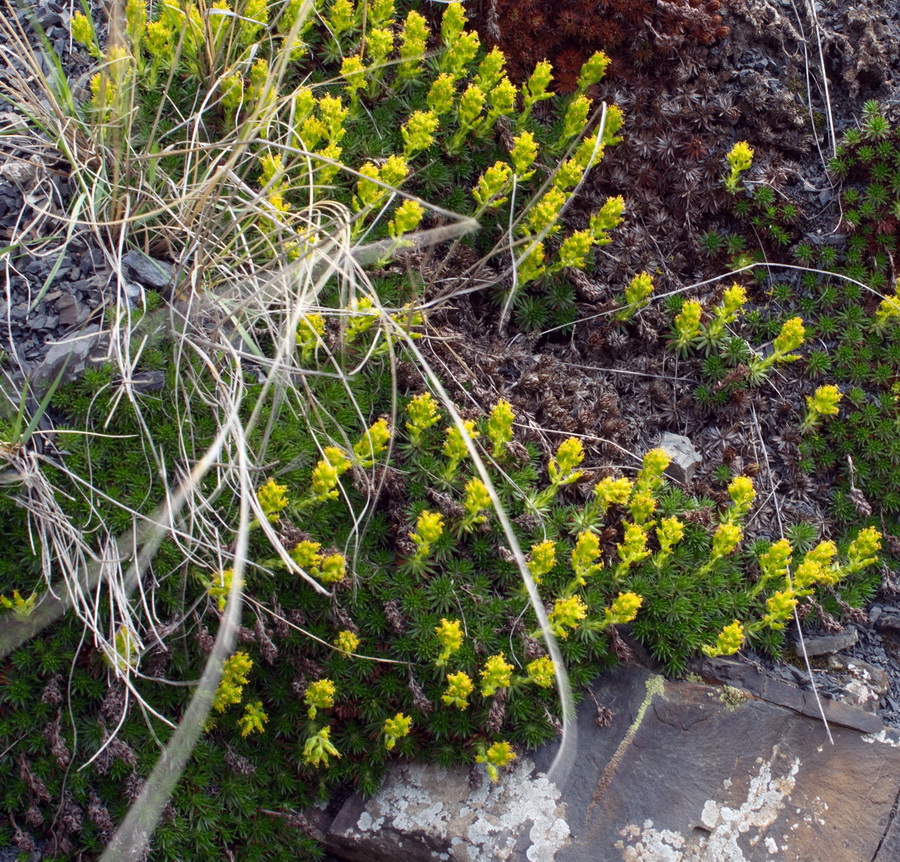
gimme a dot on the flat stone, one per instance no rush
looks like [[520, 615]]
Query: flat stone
[[70, 356], [888, 623], [779, 693], [148, 270], [826, 644], [684, 455], [71, 311], [686, 772]]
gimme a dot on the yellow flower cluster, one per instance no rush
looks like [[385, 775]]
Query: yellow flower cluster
[[234, 677]]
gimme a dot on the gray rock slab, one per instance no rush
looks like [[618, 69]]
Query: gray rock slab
[[825, 644], [684, 455], [148, 270], [683, 774], [774, 691]]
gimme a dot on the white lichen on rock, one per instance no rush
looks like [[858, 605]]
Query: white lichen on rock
[[766, 797], [475, 825]]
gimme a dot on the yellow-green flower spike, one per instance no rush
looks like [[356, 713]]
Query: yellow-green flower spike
[[459, 687], [396, 728], [725, 540], [654, 464], [592, 71], [272, 499], [453, 22], [429, 528], [455, 446], [310, 335], [863, 550], [523, 154], [418, 132], [346, 641], [319, 695], [407, 218], [607, 218], [632, 550], [502, 99], [379, 44], [498, 755], [333, 569], [543, 560], [441, 95], [687, 327], [824, 401], [742, 494], [423, 413], [540, 672], [532, 264], [476, 500], [253, 720], [500, 428], [575, 118], [495, 674], [235, 673], [380, 12], [491, 186], [413, 40], [574, 250], [353, 71], [729, 641], [623, 610], [306, 555], [567, 613], [568, 456], [372, 444], [536, 88], [543, 216], [887, 312], [636, 296], [319, 749], [255, 16], [220, 587], [450, 637], [490, 70], [584, 557], [779, 608], [341, 16], [740, 158]]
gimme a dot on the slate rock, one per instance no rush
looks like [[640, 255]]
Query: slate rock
[[684, 455], [826, 644], [71, 311], [147, 270], [682, 774], [72, 355], [888, 623]]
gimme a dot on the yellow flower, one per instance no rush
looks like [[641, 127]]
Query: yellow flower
[[253, 720], [624, 609], [319, 695], [346, 641], [498, 755], [540, 672], [396, 728], [272, 498], [566, 614], [234, 677], [450, 637], [543, 559], [459, 687], [729, 641], [497, 673]]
